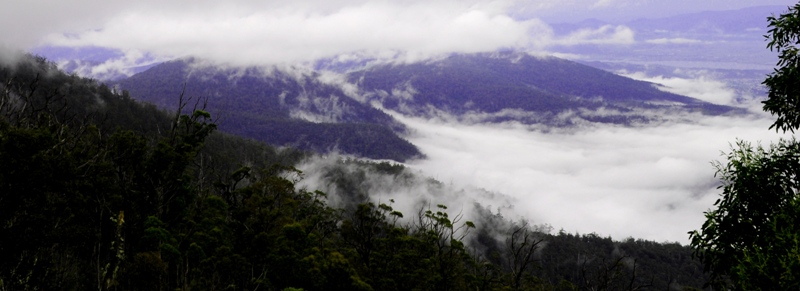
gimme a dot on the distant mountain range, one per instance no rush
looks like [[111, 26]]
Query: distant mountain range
[[302, 108], [730, 22], [711, 40], [494, 87]]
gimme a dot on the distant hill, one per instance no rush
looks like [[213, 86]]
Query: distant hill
[[518, 86], [731, 22], [279, 107], [750, 19]]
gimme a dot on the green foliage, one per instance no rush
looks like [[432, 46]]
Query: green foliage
[[750, 241], [756, 220], [784, 82]]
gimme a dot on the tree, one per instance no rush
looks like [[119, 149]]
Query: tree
[[752, 240], [752, 236], [784, 82], [522, 243]]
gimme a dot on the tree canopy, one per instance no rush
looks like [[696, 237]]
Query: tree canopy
[[751, 241], [784, 81]]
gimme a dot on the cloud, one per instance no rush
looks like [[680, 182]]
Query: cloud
[[270, 32], [678, 40], [602, 3], [651, 182], [604, 35], [410, 190], [703, 87], [282, 33], [127, 64], [10, 55]]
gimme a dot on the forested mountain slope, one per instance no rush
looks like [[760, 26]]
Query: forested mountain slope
[[278, 107]]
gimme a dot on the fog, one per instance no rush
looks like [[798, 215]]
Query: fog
[[702, 87], [651, 182]]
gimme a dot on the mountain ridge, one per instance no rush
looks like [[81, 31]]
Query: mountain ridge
[[297, 107]]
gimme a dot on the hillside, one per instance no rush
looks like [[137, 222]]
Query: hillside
[[278, 107]]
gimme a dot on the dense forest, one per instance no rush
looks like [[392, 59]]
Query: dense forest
[[101, 191]]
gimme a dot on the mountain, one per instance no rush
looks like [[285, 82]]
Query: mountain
[[324, 111], [518, 86], [728, 23], [281, 107], [746, 20]]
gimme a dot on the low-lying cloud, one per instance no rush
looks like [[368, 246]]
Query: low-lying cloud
[[650, 182], [410, 191], [702, 87]]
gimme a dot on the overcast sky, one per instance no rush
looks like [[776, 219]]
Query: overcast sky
[[247, 32]]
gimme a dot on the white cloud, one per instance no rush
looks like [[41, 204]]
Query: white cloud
[[410, 190], [650, 182], [123, 66], [286, 33], [677, 40], [703, 87], [270, 32], [604, 35], [602, 3]]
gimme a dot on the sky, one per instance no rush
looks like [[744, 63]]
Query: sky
[[268, 32], [645, 182]]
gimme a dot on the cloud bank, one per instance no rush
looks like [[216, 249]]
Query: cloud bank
[[252, 33], [269, 32], [703, 87], [647, 182]]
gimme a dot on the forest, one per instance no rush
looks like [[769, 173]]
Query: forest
[[101, 191]]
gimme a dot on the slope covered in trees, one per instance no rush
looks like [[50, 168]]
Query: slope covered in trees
[[278, 107], [98, 191]]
